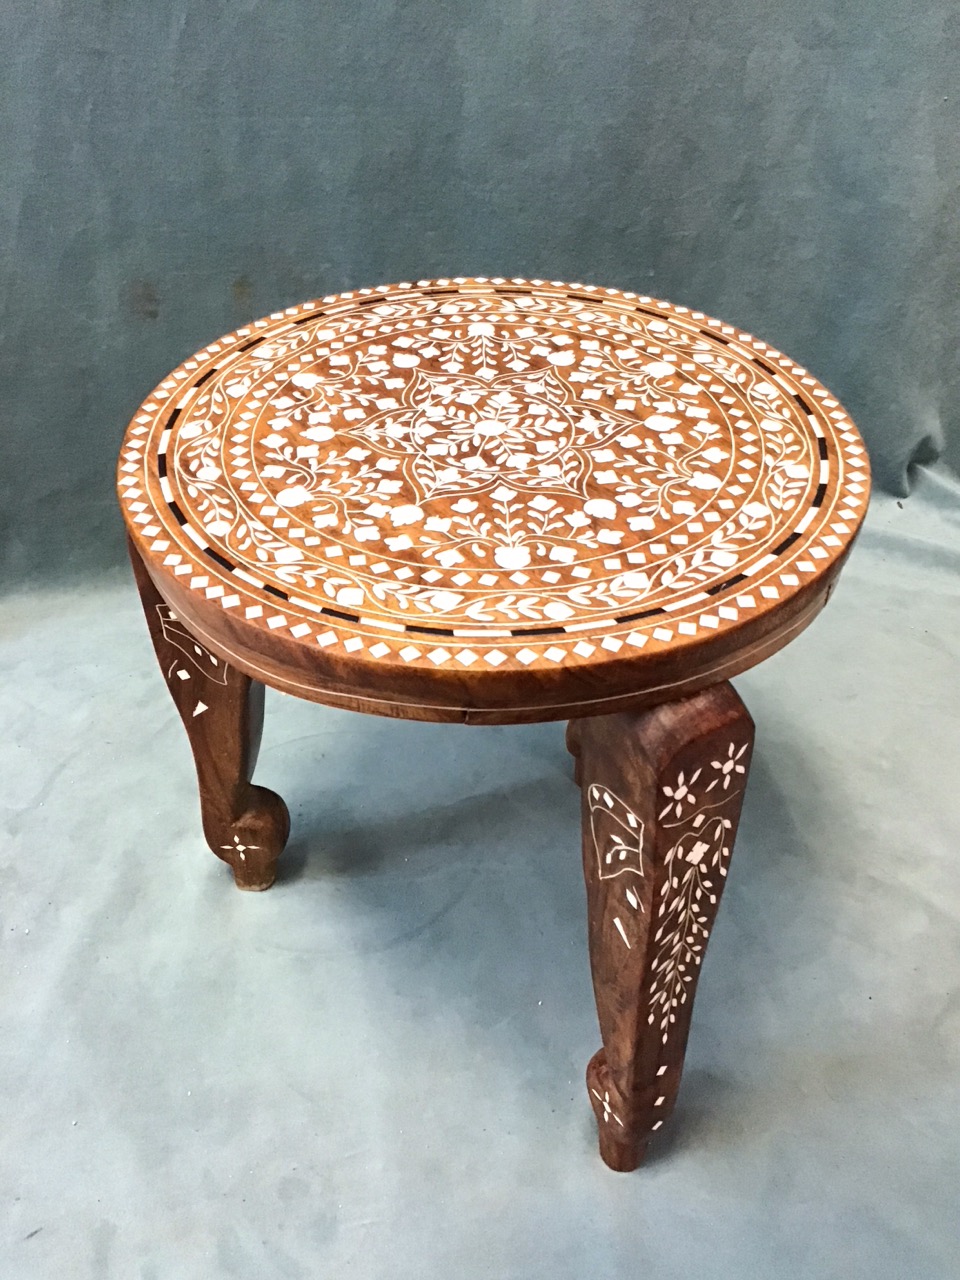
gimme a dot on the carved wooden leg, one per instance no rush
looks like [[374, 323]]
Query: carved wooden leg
[[662, 791], [222, 711], [573, 746]]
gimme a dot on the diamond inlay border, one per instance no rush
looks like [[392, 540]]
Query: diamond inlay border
[[162, 499]]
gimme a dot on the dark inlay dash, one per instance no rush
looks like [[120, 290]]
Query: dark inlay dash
[[720, 587], [222, 561], [787, 542], [645, 613]]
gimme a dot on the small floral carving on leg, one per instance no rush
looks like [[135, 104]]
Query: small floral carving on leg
[[222, 712], [618, 845], [662, 792], [695, 864], [617, 834]]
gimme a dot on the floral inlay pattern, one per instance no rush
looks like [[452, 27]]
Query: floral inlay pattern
[[494, 460], [695, 864], [606, 1106], [196, 656], [617, 834], [195, 659]]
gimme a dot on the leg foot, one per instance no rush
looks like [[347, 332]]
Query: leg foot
[[222, 712], [662, 792], [256, 840], [622, 1149]]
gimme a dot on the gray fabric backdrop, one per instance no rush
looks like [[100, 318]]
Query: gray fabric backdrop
[[172, 169]]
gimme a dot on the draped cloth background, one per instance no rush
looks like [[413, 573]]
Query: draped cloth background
[[172, 170], [376, 1069]]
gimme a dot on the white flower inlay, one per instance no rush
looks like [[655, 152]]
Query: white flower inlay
[[681, 795], [651, 467], [728, 768], [236, 846], [695, 864], [383, 428], [607, 1107]]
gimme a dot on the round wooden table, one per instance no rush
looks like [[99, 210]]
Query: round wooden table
[[499, 501]]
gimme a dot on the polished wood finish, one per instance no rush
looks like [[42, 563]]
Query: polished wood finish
[[222, 712], [492, 501], [661, 795], [499, 502]]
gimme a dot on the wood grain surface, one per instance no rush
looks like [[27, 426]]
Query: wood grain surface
[[661, 794], [222, 712], [492, 500], [501, 501]]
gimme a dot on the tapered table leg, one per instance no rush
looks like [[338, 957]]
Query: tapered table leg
[[222, 711], [661, 792], [573, 746]]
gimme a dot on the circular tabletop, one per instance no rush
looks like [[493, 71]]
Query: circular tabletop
[[492, 500]]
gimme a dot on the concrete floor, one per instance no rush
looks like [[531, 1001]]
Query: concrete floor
[[376, 1069]]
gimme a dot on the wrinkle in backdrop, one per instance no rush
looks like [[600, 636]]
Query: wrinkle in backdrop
[[174, 170]]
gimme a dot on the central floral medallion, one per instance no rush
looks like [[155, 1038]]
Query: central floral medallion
[[491, 460]]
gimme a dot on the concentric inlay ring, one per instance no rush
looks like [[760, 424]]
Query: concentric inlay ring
[[485, 474]]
